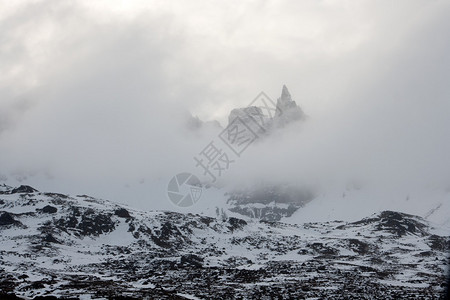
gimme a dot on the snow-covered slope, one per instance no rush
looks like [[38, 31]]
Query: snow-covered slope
[[351, 204], [78, 246]]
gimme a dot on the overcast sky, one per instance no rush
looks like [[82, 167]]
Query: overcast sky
[[94, 94]]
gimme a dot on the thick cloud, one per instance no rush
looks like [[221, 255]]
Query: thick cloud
[[93, 97]]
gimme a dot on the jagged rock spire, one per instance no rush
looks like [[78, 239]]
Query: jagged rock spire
[[287, 109], [285, 95]]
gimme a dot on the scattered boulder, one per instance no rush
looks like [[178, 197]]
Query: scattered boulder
[[49, 238], [192, 260], [122, 213], [23, 276], [236, 223], [322, 249], [49, 209], [7, 219]]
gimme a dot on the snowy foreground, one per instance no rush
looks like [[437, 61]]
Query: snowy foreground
[[85, 248]]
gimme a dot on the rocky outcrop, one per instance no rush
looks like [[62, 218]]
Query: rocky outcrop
[[7, 219], [5, 189], [194, 124], [48, 209], [23, 189], [269, 202], [191, 260], [253, 117], [287, 110], [122, 213]]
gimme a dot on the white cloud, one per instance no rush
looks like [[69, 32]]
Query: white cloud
[[89, 91]]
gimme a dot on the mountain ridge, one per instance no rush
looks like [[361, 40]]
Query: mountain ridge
[[79, 246]]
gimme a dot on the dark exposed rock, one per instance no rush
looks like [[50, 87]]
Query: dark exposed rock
[[248, 276], [49, 209], [91, 223], [9, 296], [359, 246], [23, 189], [425, 253], [192, 259], [66, 223], [37, 285], [439, 243], [7, 219], [320, 248], [396, 223], [95, 225], [56, 195], [399, 223], [168, 236], [206, 220], [49, 238], [122, 213], [236, 223]]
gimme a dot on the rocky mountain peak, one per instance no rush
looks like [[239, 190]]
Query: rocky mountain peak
[[285, 95], [287, 110]]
